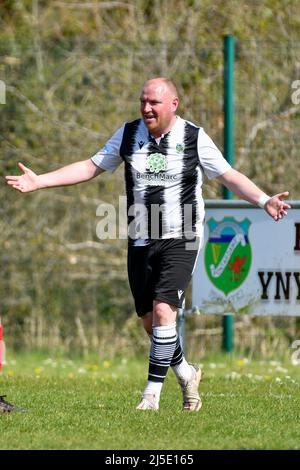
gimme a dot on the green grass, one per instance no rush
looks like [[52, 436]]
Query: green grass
[[84, 404]]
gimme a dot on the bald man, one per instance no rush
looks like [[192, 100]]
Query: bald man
[[165, 159]]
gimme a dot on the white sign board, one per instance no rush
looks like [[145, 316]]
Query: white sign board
[[249, 263]]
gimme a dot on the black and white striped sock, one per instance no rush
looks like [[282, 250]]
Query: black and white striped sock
[[179, 364], [178, 354], [161, 352]]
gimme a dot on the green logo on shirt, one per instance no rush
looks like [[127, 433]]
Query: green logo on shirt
[[156, 162]]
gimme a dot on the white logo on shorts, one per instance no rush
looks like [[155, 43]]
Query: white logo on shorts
[[180, 292]]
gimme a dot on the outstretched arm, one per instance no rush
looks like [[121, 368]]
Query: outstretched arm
[[246, 189], [71, 174]]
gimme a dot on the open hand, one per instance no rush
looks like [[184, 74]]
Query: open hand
[[24, 183], [276, 207]]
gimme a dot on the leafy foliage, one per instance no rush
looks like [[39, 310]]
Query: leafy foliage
[[73, 72]]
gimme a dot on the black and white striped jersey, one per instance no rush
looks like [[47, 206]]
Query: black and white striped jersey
[[163, 177]]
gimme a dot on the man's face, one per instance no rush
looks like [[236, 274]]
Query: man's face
[[158, 107]]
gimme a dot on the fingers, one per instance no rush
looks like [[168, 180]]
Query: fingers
[[278, 209], [283, 195], [18, 188], [15, 182], [22, 167], [11, 179], [282, 205], [281, 212]]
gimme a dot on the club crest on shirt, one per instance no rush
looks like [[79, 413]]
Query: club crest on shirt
[[179, 148], [156, 162], [228, 253]]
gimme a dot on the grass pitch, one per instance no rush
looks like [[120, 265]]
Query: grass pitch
[[89, 404]]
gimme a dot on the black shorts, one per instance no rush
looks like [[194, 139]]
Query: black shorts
[[161, 270]]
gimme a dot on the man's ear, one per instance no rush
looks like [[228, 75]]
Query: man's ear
[[175, 103]]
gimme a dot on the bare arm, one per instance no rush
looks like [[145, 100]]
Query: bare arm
[[71, 174], [246, 189]]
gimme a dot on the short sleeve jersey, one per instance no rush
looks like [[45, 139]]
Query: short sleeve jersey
[[163, 177]]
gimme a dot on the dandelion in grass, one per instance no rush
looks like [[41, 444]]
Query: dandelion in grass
[[242, 362], [38, 371], [268, 378], [92, 367]]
